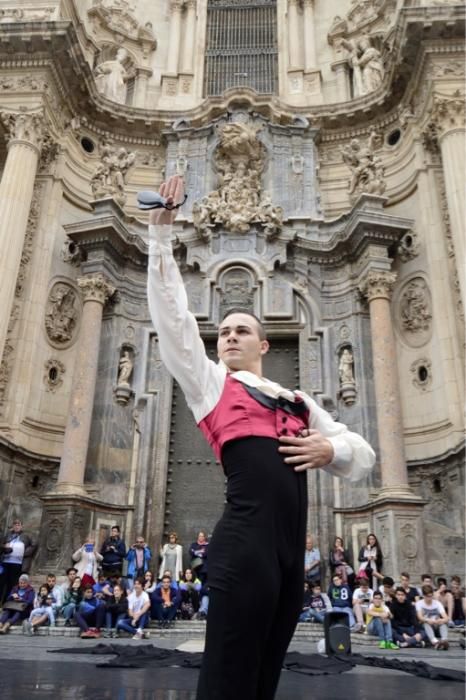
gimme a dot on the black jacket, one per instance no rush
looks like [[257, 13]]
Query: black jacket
[[29, 549], [404, 614]]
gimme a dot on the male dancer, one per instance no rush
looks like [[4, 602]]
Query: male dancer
[[266, 438]]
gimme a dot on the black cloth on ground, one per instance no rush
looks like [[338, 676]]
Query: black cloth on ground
[[148, 655]]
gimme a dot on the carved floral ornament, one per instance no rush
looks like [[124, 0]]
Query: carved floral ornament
[[96, 288], [378, 284], [448, 112], [239, 202], [24, 126]]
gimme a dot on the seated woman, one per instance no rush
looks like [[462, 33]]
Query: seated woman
[[116, 609], [71, 599], [90, 614], [18, 605], [459, 602], [378, 622], [137, 617], [149, 582], [42, 613], [339, 561], [190, 589]]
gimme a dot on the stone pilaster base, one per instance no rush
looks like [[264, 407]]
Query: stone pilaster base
[[67, 519]]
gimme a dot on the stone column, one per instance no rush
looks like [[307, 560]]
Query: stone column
[[310, 57], [189, 34], [449, 119], [25, 134], [175, 37], [294, 34], [377, 287], [96, 291]]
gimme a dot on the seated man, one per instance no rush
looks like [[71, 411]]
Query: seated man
[[426, 580], [459, 602], [57, 593], [340, 598], [362, 598], [90, 614], [101, 587], [378, 622], [387, 590], [445, 597], [138, 612], [311, 562], [412, 594], [405, 626], [166, 600], [431, 614], [316, 604]]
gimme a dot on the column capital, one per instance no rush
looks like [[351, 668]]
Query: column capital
[[176, 5], [24, 127], [378, 284], [448, 112], [191, 4], [96, 288]]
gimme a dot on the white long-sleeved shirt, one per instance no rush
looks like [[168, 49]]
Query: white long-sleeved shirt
[[202, 380]]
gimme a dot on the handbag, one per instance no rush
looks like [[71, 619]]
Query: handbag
[[15, 605], [196, 563]]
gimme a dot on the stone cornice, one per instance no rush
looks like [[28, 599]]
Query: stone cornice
[[415, 25]]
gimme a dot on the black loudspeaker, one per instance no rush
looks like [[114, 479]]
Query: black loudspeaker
[[337, 633]]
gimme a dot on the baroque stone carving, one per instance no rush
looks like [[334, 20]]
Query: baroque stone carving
[[415, 306], [125, 369], [408, 246], [53, 375], [367, 170], [24, 126], [366, 62], [117, 17], [346, 375], [236, 291], [422, 374], [71, 253], [378, 284], [111, 77], [238, 202], [61, 315], [96, 288], [109, 176], [448, 112]]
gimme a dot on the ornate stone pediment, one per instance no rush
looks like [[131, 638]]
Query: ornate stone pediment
[[117, 17], [239, 201], [363, 16]]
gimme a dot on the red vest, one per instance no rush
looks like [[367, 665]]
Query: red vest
[[238, 414]]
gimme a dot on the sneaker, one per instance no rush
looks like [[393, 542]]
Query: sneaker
[[443, 644], [382, 645], [358, 627], [403, 645], [67, 623], [138, 635], [27, 628], [391, 645], [146, 634], [87, 635]]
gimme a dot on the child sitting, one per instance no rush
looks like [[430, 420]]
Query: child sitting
[[42, 611], [378, 616]]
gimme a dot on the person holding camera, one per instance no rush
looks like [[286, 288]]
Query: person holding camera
[[87, 560], [113, 552]]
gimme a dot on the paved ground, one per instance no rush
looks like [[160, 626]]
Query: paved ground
[[27, 671]]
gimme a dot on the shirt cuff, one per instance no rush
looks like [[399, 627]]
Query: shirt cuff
[[342, 453], [160, 239]]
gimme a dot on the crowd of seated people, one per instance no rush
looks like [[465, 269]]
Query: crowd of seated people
[[400, 615], [97, 598]]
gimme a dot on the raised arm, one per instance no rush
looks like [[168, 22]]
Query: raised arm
[[181, 347]]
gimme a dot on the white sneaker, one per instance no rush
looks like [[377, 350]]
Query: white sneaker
[[138, 635], [146, 634]]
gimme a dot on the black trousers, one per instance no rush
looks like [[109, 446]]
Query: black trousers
[[8, 579], [256, 573]]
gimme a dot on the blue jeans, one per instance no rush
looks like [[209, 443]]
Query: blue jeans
[[125, 624], [204, 608], [165, 614], [311, 614], [381, 629], [349, 612]]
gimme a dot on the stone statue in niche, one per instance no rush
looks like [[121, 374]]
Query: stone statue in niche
[[238, 202], [109, 176], [125, 370], [111, 77], [367, 170], [366, 62], [346, 375], [415, 309], [61, 315]]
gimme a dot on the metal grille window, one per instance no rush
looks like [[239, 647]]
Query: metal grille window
[[241, 46]]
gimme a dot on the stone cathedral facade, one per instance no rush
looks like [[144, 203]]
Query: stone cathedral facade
[[323, 147]]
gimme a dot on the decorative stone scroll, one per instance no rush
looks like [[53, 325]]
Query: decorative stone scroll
[[367, 170], [109, 178], [238, 202], [61, 315]]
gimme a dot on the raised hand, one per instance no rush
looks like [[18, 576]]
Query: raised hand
[[173, 191]]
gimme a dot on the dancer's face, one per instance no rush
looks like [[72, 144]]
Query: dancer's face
[[239, 345]]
